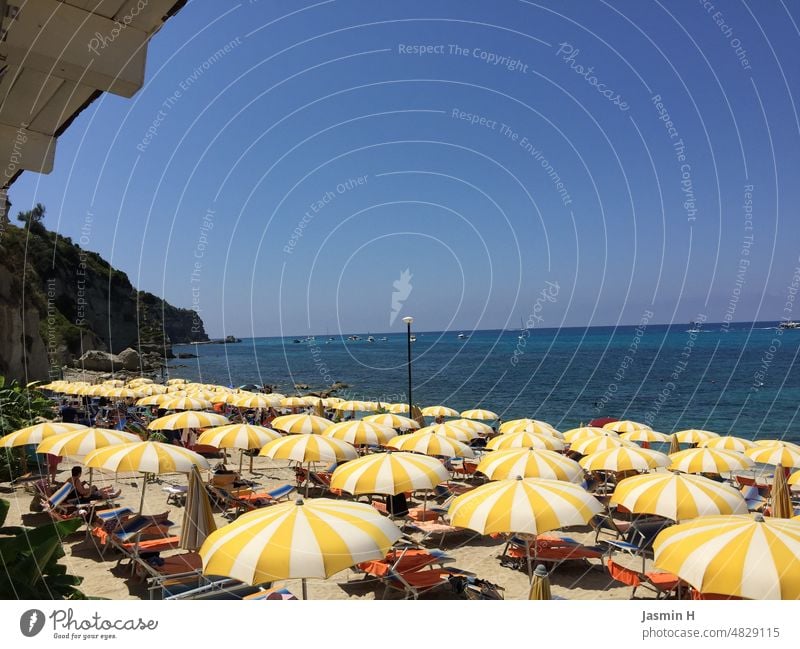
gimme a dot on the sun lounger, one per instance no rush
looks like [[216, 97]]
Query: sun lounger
[[432, 528], [176, 494], [662, 583], [547, 548], [404, 560], [233, 505], [414, 583], [185, 567]]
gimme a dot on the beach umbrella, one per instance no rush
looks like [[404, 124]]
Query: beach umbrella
[[528, 426], [677, 496], [188, 419], [523, 506], [483, 415], [739, 556], [114, 383], [575, 434], [300, 424], [709, 460], [646, 435], [525, 440], [389, 473], [198, 519], [398, 408], [781, 506], [298, 540], [357, 406], [204, 394], [140, 381], [794, 479], [307, 448], [186, 403], [231, 397], [431, 444], [694, 436], [450, 429], [150, 389], [249, 400], [540, 586], [624, 459], [154, 400], [37, 433], [293, 402], [360, 433], [776, 442], [439, 411], [727, 443], [589, 445], [330, 402], [472, 426], [241, 436], [392, 421], [121, 393], [145, 457], [625, 426], [530, 463], [77, 443], [92, 390], [176, 381], [784, 454]]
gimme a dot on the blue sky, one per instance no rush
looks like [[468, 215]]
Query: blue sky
[[388, 118]]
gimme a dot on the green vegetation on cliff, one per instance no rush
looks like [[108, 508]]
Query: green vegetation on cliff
[[82, 301]]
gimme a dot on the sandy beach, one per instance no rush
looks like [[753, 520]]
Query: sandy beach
[[102, 577]]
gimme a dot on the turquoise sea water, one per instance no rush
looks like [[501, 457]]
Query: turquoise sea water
[[743, 380]]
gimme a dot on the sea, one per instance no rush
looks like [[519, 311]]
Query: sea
[[740, 379]]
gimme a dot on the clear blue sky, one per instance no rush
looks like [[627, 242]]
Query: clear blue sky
[[307, 97]]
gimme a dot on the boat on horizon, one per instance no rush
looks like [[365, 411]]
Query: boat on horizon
[[789, 324]]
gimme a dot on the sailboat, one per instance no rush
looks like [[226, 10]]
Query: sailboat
[[522, 330]]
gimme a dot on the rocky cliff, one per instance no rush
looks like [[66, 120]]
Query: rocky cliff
[[58, 300]]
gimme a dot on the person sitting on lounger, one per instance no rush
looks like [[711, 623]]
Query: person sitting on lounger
[[88, 493]]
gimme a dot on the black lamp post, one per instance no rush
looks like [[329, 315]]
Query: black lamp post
[[408, 320]]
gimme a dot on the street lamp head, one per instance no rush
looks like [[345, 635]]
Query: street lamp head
[[408, 319]]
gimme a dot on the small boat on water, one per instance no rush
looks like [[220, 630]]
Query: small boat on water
[[297, 340], [370, 339], [694, 328], [413, 338], [384, 338], [789, 324], [354, 338], [462, 335]]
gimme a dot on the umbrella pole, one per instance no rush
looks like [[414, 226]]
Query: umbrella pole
[[305, 589], [241, 459], [144, 486], [308, 479], [91, 470], [528, 557]]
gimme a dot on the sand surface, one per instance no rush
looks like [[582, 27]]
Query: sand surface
[[102, 577]]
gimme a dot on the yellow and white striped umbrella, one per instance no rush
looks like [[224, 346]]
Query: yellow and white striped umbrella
[[589, 445], [785, 454], [186, 403], [530, 463], [176, 381], [204, 395], [150, 389], [456, 431], [709, 460], [677, 496], [775, 442], [330, 402], [146, 457], [728, 443], [529, 426], [624, 459], [625, 426], [523, 505], [36, 433], [77, 386], [525, 440], [188, 419], [483, 415], [242, 436], [398, 408], [357, 406], [439, 411], [92, 390], [740, 556], [389, 473], [230, 397], [431, 444], [646, 435], [153, 400], [472, 426], [54, 386], [392, 421], [301, 423], [114, 383], [249, 400], [793, 480], [307, 447], [360, 433], [694, 435], [575, 434], [293, 402], [135, 383], [78, 443], [296, 540], [121, 393]]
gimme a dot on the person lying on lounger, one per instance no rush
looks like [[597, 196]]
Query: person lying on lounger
[[88, 493]]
